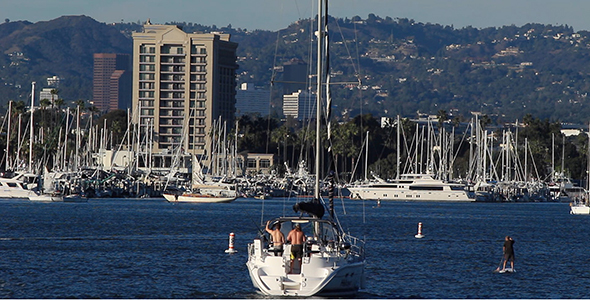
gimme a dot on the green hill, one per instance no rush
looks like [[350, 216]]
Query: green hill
[[63, 47], [403, 66]]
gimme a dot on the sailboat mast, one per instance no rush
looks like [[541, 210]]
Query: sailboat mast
[[367, 156], [31, 128], [398, 124], [320, 37], [19, 145], [8, 136], [588, 168], [553, 157], [77, 158], [65, 163]]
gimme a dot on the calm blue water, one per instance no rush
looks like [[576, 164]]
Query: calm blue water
[[153, 249]]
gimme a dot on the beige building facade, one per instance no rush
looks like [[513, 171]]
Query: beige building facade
[[183, 83]]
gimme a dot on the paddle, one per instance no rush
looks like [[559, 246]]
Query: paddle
[[500, 265]]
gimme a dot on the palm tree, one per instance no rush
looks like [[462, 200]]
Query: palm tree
[[19, 107], [442, 117], [80, 103], [59, 102], [343, 144], [44, 103], [278, 137], [54, 96], [485, 121]]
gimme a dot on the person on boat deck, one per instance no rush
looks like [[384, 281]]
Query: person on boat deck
[[278, 239], [508, 252], [296, 237]]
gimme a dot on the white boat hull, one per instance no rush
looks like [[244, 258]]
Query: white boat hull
[[411, 187], [17, 187], [197, 198], [580, 209], [321, 274], [16, 193], [46, 198], [384, 193]]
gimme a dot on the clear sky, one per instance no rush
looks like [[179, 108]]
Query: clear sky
[[278, 14]]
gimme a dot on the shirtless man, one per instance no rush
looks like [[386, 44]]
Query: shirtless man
[[278, 239], [296, 238]]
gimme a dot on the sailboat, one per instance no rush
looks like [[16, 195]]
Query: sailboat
[[201, 191], [333, 262], [204, 194], [46, 190], [582, 206]]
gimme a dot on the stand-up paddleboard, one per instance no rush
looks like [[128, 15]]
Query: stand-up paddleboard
[[507, 270]]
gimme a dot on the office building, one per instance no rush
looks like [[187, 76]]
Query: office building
[[46, 93], [53, 81], [294, 76], [183, 83], [250, 100], [300, 105], [111, 81]]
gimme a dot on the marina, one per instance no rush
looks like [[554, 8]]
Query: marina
[[139, 202], [122, 248]]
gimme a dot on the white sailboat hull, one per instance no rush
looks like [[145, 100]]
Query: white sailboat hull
[[198, 198], [46, 198], [579, 209], [321, 273]]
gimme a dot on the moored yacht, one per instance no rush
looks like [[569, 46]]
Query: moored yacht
[[411, 187], [18, 185], [210, 193], [579, 208]]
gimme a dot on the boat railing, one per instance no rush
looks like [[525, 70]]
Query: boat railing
[[356, 245]]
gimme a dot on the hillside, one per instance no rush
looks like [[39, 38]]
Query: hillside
[[63, 47], [403, 66]]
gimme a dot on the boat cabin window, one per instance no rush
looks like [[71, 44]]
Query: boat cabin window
[[30, 179], [287, 226], [427, 188], [325, 234]]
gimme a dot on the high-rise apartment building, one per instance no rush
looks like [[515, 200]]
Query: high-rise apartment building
[[112, 81], [182, 84]]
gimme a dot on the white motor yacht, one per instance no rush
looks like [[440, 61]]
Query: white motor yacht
[[412, 187]]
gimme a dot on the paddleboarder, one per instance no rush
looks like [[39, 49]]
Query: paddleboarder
[[508, 250]]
